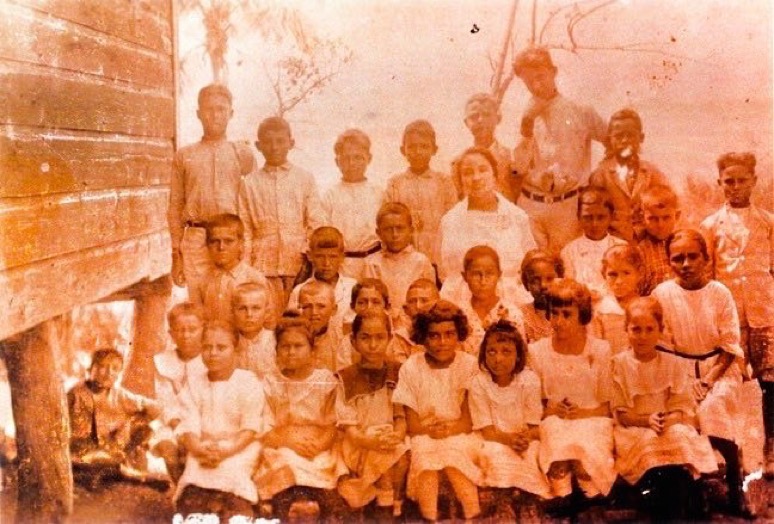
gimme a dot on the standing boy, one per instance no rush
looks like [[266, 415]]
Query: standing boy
[[482, 115], [661, 211], [205, 181], [427, 193], [624, 174], [225, 242], [740, 236], [554, 153], [279, 206], [351, 205]]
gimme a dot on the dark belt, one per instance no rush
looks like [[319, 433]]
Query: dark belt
[[549, 199], [362, 254], [195, 223], [696, 358]]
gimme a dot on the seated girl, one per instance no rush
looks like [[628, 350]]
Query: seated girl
[[538, 269], [222, 416], [300, 449], [505, 407], [374, 445], [433, 387], [654, 411], [576, 435]]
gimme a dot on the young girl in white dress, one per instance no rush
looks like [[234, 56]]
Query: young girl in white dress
[[222, 417], [576, 435], [300, 449], [433, 387], [654, 411], [374, 445], [506, 408], [702, 318]]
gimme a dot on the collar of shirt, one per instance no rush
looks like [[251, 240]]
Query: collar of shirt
[[400, 254], [427, 173], [273, 170]]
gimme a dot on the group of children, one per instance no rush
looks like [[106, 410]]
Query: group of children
[[323, 361]]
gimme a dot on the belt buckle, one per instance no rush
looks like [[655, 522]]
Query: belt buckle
[[549, 199]]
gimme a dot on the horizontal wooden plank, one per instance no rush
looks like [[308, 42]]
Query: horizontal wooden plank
[[40, 97], [34, 163], [144, 22], [34, 37], [34, 293], [45, 227]]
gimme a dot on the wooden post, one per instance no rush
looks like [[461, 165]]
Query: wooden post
[[151, 299], [45, 488]]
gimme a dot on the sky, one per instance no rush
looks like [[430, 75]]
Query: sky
[[707, 89]]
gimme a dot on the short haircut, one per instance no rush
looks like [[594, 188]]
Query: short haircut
[[370, 283], [326, 237], [690, 234], [532, 58], [214, 90], [226, 220], [626, 253], [421, 128], [533, 257], [182, 310], [317, 286], [382, 315], [484, 152], [293, 320], [595, 195], [273, 123], [566, 292], [394, 208], [626, 114], [353, 136], [649, 304], [224, 326], [504, 330], [104, 354], [442, 311], [250, 287], [659, 196], [422, 283], [484, 98], [477, 252], [746, 160]]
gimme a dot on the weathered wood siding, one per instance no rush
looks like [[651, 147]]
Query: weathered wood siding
[[87, 123]]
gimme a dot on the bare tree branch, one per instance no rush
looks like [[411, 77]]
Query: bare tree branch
[[582, 15]]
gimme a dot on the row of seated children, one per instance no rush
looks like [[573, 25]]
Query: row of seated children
[[479, 420]]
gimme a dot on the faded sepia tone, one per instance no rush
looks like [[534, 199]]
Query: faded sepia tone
[[98, 95]]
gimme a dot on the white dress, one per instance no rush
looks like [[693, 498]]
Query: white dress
[[699, 321], [438, 394], [660, 385], [583, 379], [258, 355], [170, 378], [310, 404], [506, 230], [216, 412], [509, 409]]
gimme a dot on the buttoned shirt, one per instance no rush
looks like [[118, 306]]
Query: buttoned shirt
[[560, 147], [398, 271], [741, 243], [215, 292], [428, 196], [205, 182], [351, 207], [280, 207]]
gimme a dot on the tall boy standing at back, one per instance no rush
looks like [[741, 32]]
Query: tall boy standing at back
[[280, 207], [351, 205], [205, 181], [554, 154], [427, 193]]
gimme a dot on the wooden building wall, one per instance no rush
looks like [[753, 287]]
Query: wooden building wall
[[87, 123]]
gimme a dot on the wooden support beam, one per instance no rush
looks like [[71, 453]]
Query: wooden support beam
[[151, 299], [45, 486]]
